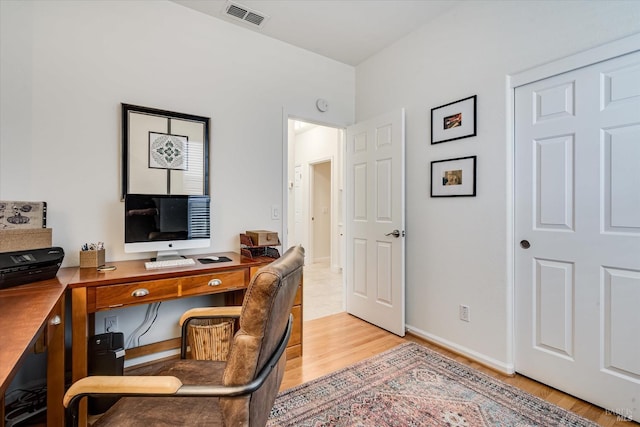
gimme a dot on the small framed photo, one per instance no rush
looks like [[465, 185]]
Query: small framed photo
[[455, 120], [454, 177]]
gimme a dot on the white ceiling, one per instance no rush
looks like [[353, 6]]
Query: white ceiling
[[348, 31]]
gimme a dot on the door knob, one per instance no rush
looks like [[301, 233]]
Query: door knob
[[524, 244], [394, 233]]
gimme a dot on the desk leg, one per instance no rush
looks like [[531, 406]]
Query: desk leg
[[55, 365], [234, 298], [79, 325]]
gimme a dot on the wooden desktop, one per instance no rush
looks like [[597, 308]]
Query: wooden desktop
[[28, 312], [131, 284]]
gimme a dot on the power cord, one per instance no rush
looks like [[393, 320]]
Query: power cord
[[29, 404], [156, 309], [150, 317]]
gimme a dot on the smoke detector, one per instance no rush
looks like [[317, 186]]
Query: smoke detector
[[242, 13]]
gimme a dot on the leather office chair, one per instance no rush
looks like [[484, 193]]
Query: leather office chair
[[187, 392]]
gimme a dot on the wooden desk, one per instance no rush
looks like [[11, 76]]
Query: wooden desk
[[131, 284], [26, 311]]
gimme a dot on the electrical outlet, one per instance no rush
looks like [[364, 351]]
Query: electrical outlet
[[111, 323], [464, 313]]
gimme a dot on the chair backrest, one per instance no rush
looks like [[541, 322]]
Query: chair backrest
[[263, 320]]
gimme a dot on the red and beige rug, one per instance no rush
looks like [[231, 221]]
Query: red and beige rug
[[411, 385]]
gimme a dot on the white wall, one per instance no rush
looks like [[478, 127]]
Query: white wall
[[459, 249], [67, 66]]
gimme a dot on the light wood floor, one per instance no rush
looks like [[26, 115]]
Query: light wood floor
[[334, 342]]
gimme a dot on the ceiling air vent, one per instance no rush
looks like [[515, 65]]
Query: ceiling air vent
[[242, 13], [236, 11]]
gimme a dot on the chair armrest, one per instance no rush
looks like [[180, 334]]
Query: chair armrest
[[147, 385], [210, 312], [116, 386]]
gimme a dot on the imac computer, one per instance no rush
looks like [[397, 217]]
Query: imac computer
[[166, 224]]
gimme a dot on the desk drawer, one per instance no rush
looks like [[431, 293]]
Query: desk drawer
[[213, 283], [136, 293]]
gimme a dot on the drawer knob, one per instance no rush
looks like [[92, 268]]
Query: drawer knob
[[215, 282], [142, 292], [55, 320]]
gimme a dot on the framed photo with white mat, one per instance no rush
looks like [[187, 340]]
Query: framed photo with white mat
[[455, 120], [454, 177]]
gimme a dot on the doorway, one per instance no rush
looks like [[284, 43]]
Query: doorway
[[320, 209], [314, 212]]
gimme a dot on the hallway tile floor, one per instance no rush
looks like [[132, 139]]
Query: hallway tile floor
[[323, 294]]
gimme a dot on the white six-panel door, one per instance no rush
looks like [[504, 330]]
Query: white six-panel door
[[577, 283], [374, 269]]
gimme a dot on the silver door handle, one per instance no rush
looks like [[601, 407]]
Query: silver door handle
[[394, 233]]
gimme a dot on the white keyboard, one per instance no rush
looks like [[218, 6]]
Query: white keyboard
[[169, 263]]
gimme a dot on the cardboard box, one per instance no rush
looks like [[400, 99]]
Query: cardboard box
[[25, 239], [263, 237], [92, 258]]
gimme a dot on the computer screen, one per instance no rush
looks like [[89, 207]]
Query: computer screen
[[166, 224]]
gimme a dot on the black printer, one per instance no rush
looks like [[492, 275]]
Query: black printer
[[20, 267]]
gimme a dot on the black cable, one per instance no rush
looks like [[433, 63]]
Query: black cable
[[31, 401]]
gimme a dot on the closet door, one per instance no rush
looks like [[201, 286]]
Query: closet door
[[577, 233]]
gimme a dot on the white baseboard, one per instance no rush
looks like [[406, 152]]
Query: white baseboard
[[502, 367]]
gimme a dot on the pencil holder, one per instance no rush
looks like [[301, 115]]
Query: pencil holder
[[91, 258]]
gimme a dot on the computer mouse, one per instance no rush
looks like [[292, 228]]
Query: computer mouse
[[213, 258]]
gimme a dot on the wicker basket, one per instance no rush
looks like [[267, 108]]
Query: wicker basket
[[210, 339]]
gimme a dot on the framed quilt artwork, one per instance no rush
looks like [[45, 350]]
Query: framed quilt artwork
[[164, 152], [168, 151]]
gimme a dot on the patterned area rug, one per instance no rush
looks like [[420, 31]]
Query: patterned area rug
[[411, 385]]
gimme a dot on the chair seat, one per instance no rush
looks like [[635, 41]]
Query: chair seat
[[170, 411]]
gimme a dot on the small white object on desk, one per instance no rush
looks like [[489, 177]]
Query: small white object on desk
[[169, 263]]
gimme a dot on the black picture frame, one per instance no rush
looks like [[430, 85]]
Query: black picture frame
[[454, 177], [139, 175], [453, 121]]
